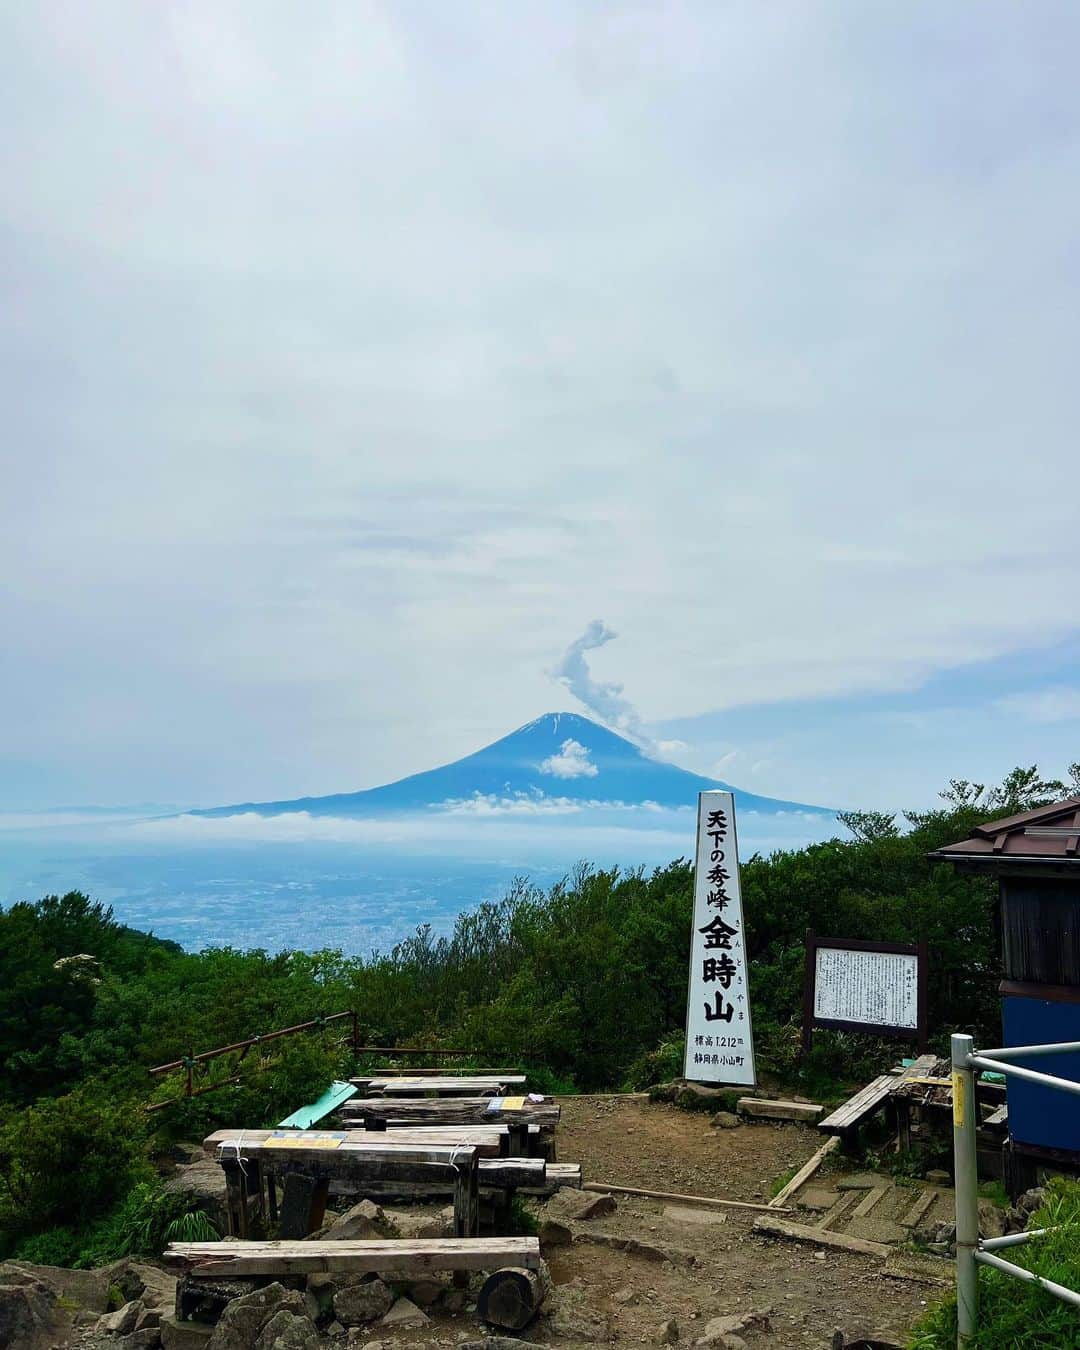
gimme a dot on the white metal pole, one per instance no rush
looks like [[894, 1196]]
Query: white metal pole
[[966, 1179]]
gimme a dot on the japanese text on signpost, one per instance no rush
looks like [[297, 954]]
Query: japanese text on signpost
[[719, 1041]]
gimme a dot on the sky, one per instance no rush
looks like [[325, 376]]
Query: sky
[[359, 361]]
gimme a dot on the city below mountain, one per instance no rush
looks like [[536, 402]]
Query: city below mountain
[[558, 758]]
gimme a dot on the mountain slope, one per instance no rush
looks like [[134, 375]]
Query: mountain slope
[[560, 755]]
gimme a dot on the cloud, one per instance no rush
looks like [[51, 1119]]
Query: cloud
[[1044, 706], [539, 804], [572, 761], [604, 698], [670, 749], [304, 469]]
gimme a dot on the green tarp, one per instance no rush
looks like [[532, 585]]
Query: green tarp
[[305, 1116]]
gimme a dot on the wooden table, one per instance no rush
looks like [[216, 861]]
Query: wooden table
[[374, 1112], [308, 1159]]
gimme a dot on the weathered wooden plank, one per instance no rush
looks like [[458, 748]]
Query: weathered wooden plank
[[449, 1111], [918, 1209], [858, 1108], [765, 1109], [796, 1232], [490, 1141], [408, 1256], [504, 1173], [870, 1201], [471, 1086], [803, 1175], [707, 1201]]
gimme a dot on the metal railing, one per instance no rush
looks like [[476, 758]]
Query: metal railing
[[971, 1250]]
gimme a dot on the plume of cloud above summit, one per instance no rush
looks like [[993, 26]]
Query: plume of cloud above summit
[[604, 698]]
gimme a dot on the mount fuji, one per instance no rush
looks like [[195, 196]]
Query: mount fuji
[[561, 759]]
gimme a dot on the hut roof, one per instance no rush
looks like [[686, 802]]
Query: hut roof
[[1049, 835]]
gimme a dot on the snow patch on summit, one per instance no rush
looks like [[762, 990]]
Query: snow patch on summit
[[572, 761]]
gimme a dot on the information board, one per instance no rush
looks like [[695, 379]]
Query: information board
[[879, 988], [865, 986], [719, 1039]]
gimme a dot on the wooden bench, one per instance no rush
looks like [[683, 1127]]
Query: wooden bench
[[307, 1160], [846, 1119], [415, 1256], [510, 1298], [472, 1086], [505, 1175], [517, 1140]]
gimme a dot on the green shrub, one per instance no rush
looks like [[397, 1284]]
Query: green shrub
[[54, 1247], [1015, 1316], [66, 1159]]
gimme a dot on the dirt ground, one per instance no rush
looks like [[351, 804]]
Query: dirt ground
[[808, 1294]]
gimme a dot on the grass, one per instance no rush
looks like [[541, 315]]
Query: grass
[[1015, 1316], [782, 1180]]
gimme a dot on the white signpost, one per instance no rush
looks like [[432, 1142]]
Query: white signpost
[[719, 1041]]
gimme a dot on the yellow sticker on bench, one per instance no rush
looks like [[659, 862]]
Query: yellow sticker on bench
[[305, 1139], [513, 1103]]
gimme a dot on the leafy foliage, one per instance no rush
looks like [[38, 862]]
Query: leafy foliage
[[1015, 1316]]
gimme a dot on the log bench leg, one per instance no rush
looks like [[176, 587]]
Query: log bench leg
[[467, 1200], [511, 1298], [303, 1204], [234, 1199], [271, 1196]]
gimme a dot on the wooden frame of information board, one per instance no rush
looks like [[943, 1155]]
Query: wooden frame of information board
[[918, 1033]]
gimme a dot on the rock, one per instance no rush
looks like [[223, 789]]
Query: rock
[[455, 1300], [184, 1335], [156, 1288], [695, 1097], [150, 1317], [592, 1205], [662, 1092], [494, 1343], [554, 1234], [667, 1333], [244, 1318], [726, 1120], [359, 1303], [319, 1295], [426, 1292], [413, 1224], [361, 1223], [723, 1332], [862, 1181], [187, 1153], [991, 1220], [817, 1198], [625, 1297], [287, 1331], [335, 1329], [122, 1321], [204, 1181], [1032, 1200], [937, 1176], [405, 1314], [149, 1338], [27, 1308], [87, 1288]]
